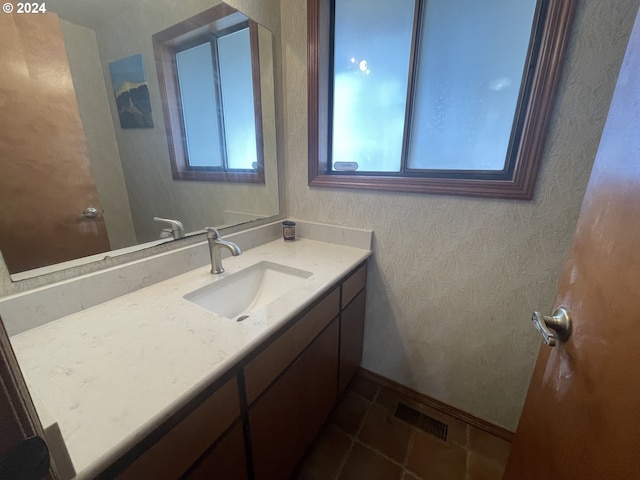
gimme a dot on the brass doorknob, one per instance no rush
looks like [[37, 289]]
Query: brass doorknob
[[552, 328]]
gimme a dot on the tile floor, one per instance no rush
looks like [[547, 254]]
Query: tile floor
[[364, 441]]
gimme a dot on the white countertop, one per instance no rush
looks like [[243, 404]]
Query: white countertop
[[113, 372]]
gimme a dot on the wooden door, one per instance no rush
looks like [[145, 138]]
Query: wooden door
[[581, 418], [45, 179], [18, 417]]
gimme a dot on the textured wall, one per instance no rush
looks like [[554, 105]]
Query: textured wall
[[453, 281]]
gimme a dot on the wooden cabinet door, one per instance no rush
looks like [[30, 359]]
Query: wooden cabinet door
[[288, 416], [351, 337], [265, 368], [227, 459], [321, 386], [177, 450], [276, 423]]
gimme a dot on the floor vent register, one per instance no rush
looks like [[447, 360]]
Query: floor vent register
[[428, 424]]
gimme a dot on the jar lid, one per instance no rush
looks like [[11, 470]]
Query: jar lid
[[289, 224]]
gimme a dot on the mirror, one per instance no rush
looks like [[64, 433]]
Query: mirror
[[98, 163]]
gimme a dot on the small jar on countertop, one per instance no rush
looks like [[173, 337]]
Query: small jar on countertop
[[289, 230]]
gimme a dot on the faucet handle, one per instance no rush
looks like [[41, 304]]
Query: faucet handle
[[212, 233]]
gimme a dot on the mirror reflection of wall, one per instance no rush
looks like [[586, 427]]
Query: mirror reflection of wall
[[130, 166]]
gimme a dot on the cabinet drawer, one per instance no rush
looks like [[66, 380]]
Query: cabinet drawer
[[262, 370], [176, 451], [353, 285]]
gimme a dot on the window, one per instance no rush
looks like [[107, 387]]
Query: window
[[437, 96], [210, 86]]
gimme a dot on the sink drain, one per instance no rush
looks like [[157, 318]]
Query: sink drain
[[241, 318]]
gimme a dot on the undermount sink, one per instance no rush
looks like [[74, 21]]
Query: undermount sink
[[242, 293]]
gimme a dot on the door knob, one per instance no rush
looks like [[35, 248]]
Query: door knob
[[552, 328], [90, 212]]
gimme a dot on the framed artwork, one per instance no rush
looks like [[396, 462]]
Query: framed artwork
[[129, 81]]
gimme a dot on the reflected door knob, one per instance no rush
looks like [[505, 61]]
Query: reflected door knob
[[552, 328], [90, 212]]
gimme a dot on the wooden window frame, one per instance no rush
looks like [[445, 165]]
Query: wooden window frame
[[552, 25], [189, 33]]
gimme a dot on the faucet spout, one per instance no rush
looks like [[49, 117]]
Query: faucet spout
[[177, 228], [215, 245]]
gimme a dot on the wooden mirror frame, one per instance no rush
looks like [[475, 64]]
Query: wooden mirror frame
[[221, 18]]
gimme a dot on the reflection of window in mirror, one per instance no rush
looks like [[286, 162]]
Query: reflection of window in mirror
[[438, 96], [214, 133]]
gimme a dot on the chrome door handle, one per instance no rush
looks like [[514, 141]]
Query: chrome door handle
[[556, 327]]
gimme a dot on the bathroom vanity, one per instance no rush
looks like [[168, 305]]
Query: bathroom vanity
[[159, 383], [263, 413]]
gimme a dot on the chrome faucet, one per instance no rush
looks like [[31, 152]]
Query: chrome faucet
[[176, 231], [215, 244]]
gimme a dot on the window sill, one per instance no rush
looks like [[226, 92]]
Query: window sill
[[516, 189], [218, 176]]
